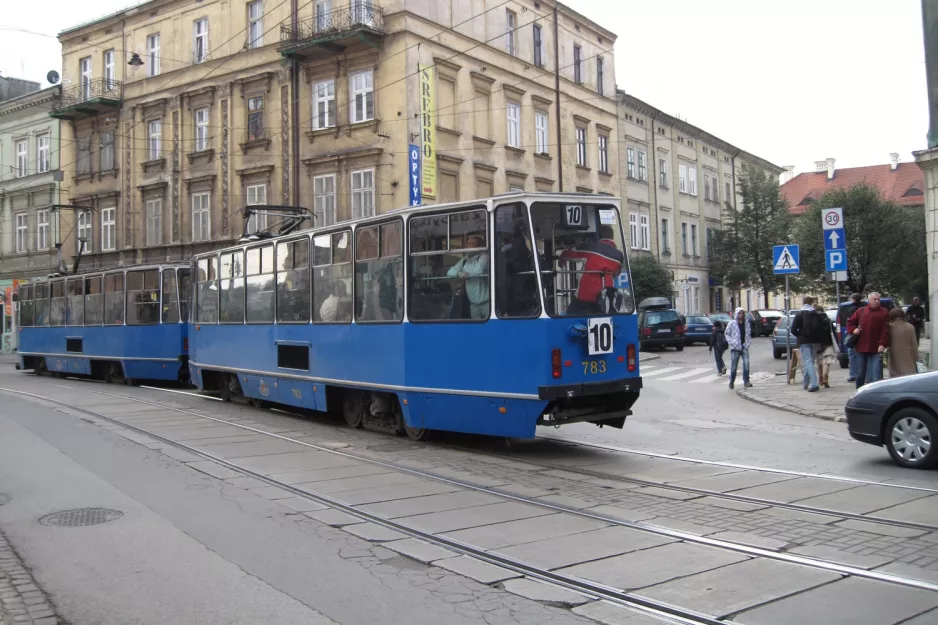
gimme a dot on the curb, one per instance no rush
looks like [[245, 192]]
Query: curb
[[749, 396]]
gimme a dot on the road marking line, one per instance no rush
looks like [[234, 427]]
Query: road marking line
[[709, 378], [659, 371], [686, 374]]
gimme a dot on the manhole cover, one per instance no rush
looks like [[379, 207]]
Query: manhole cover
[[82, 517]]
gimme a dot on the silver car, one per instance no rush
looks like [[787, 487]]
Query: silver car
[[780, 336]]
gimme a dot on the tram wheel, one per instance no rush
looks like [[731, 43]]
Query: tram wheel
[[353, 409], [229, 387], [131, 382], [41, 367], [416, 434]]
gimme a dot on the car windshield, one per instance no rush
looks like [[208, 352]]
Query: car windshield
[[698, 319], [654, 317], [769, 314], [720, 317], [783, 323]]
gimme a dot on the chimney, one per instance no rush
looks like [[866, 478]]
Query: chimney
[[788, 174], [820, 166], [830, 169], [893, 161]]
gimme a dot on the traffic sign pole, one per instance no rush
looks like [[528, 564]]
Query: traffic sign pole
[[788, 375]]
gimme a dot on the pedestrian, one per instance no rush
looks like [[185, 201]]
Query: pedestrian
[[718, 345], [903, 346], [827, 354], [856, 302], [870, 325], [916, 316], [739, 338], [807, 327]]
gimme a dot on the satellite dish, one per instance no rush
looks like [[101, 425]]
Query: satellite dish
[[52, 77]]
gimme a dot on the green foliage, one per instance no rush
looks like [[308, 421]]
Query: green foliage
[[885, 243], [649, 277]]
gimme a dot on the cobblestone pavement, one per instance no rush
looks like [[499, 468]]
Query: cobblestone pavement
[[21, 601]]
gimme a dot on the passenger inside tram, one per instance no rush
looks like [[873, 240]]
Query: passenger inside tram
[[473, 270]]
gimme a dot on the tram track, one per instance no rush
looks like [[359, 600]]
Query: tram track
[[583, 586]]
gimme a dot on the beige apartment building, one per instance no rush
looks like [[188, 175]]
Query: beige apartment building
[[179, 114], [676, 182]]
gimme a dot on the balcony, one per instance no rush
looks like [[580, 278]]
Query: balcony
[[89, 99], [333, 32]]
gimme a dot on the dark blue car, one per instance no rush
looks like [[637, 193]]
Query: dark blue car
[[699, 329]]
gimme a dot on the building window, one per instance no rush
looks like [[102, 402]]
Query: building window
[[630, 162], [646, 233], [682, 183], [363, 193], [110, 77], [510, 35], [153, 55], [22, 158], [577, 69], [363, 97], [255, 24], [201, 217], [538, 47], [323, 9], [42, 229], [84, 154], [84, 231], [106, 152], [200, 45], [154, 210], [257, 196], [633, 230], [709, 243], [108, 229], [324, 200], [707, 187], [514, 125], [22, 232], [155, 132], [729, 192], [665, 237], [540, 132], [581, 147], [642, 166], [84, 69], [693, 239], [42, 153], [684, 248], [692, 178], [256, 118], [714, 189], [604, 154], [324, 105], [599, 75], [201, 129], [663, 168]]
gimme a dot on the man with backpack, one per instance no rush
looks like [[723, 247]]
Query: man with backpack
[[808, 328]]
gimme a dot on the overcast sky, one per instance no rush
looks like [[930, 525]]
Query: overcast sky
[[793, 82]]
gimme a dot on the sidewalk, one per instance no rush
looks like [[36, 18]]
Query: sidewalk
[[828, 403]]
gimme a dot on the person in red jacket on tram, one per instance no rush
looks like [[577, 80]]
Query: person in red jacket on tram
[[870, 324], [601, 256]]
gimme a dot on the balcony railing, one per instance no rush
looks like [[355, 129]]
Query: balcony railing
[[333, 25], [89, 98]]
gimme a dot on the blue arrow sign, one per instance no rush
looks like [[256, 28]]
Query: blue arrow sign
[[835, 239], [786, 259], [835, 260]]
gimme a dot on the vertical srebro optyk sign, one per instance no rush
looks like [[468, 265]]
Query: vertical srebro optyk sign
[[413, 174], [428, 131]]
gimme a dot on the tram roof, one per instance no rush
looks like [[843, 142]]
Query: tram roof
[[178, 264]]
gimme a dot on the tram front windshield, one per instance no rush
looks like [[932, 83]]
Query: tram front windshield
[[582, 260]]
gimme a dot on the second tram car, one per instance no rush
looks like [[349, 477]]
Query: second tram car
[[486, 317]]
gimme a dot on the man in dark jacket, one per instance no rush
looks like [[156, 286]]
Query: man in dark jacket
[[807, 327], [871, 325], [916, 316], [856, 302]]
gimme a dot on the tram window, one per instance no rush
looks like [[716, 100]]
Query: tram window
[[332, 277], [169, 297], [379, 273], [26, 306], [57, 307], [143, 297], [515, 277], [293, 281], [207, 291], [184, 293], [75, 302], [94, 302], [114, 299], [260, 284], [449, 259], [231, 287], [584, 270], [41, 304]]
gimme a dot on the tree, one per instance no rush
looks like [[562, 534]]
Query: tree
[[649, 277], [885, 243], [742, 251]]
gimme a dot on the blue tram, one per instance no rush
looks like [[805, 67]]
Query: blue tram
[[486, 317], [125, 325]]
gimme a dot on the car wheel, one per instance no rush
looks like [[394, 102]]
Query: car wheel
[[777, 354], [679, 348], [910, 436]]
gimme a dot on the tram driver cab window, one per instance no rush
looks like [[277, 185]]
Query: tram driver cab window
[[26, 305], [515, 277]]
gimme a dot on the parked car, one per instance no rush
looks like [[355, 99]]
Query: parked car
[[765, 319], [899, 413], [721, 317], [780, 337], [842, 357], [725, 319], [699, 329], [659, 325]]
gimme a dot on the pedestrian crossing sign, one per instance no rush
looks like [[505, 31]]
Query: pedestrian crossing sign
[[785, 259]]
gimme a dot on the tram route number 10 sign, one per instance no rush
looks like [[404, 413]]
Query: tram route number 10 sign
[[599, 336]]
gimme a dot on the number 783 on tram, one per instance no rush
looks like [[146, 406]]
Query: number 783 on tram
[[486, 317]]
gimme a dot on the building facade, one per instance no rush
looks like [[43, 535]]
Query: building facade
[[676, 183], [178, 115]]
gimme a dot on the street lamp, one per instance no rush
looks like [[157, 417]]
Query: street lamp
[[135, 61]]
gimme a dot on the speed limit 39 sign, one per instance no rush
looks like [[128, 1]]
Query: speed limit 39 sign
[[832, 218]]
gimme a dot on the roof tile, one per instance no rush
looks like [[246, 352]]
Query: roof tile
[[894, 185]]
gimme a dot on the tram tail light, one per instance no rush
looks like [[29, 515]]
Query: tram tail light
[[630, 356], [555, 364]]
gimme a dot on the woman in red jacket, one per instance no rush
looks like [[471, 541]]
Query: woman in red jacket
[[871, 326]]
